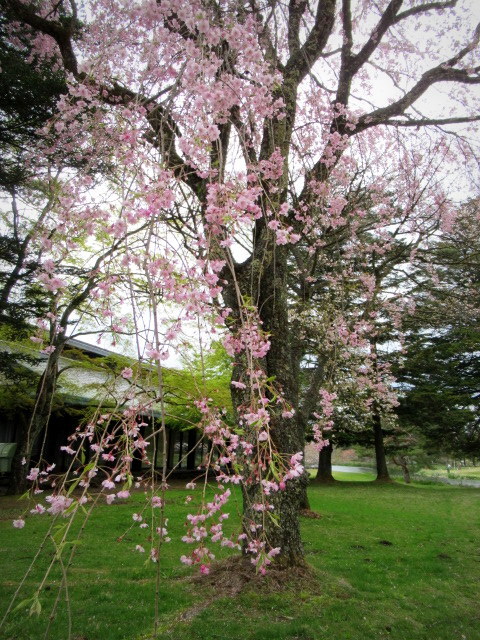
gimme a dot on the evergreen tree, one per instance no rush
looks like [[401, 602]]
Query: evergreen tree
[[440, 376]]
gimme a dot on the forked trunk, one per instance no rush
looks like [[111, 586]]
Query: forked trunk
[[402, 462]]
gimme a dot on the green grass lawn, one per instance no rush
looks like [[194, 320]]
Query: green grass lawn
[[394, 561], [351, 476]]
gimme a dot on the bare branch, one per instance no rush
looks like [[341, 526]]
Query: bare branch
[[425, 122], [441, 73], [466, 50], [391, 17], [422, 8]]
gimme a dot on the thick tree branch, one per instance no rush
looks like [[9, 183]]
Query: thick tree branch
[[164, 128], [305, 57], [218, 154], [441, 73], [347, 29], [62, 32], [425, 122], [351, 64], [164, 133], [295, 13], [310, 399], [264, 35], [386, 21], [346, 74], [422, 8], [248, 148]]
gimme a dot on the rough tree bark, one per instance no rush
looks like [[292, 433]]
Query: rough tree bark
[[270, 266]]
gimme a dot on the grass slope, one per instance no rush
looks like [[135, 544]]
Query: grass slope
[[395, 561]]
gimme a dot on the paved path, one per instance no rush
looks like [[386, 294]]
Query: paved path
[[459, 482], [337, 467]]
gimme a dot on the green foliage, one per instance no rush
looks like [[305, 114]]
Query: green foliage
[[440, 376], [208, 376], [28, 94], [441, 397], [13, 369], [460, 473], [17, 379], [29, 91], [114, 363], [181, 387]]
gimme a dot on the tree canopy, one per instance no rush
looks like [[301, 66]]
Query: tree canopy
[[240, 139]]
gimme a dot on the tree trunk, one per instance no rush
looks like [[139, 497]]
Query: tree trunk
[[28, 436], [282, 525], [381, 460], [304, 502], [401, 461], [263, 279], [268, 273], [283, 529], [324, 471], [287, 433]]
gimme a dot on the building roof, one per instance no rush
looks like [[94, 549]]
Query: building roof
[[89, 348]]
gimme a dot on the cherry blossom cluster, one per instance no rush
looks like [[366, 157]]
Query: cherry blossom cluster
[[324, 422]]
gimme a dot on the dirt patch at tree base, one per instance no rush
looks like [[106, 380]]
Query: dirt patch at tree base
[[234, 575]]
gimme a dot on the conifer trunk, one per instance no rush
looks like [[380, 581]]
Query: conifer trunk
[[324, 471], [380, 457]]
